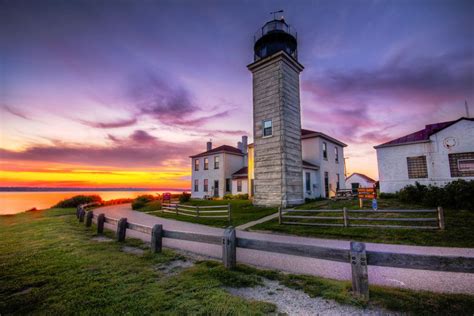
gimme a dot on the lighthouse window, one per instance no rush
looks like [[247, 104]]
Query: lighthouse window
[[267, 128]]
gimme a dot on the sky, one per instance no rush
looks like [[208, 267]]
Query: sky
[[120, 93]]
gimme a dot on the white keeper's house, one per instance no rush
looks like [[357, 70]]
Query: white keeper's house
[[230, 170], [435, 155], [285, 164]]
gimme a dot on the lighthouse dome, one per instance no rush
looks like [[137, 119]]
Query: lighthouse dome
[[276, 35]]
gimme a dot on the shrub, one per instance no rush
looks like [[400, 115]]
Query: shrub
[[228, 196], [141, 200], [77, 200], [388, 195], [184, 197], [454, 195]]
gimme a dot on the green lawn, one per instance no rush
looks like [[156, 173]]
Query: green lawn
[[242, 212], [458, 232], [50, 264]]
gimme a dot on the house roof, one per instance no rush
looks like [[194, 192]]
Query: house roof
[[221, 149], [362, 176], [306, 133], [308, 165], [421, 135], [241, 173]]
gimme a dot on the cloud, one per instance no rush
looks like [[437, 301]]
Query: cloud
[[168, 101], [363, 104], [15, 112], [140, 149], [114, 124]]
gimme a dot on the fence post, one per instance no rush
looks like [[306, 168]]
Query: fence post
[[156, 238], [346, 218], [89, 216], [229, 253], [360, 277], [78, 210], [176, 208], [280, 219], [229, 212], [197, 211], [121, 229], [100, 223], [441, 218], [82, 212]]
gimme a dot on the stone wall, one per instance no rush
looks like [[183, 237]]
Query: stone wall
[[278, 162]]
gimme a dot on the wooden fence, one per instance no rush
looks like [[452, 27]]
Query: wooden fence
[[212, 211], [343, 218], [357, 255]]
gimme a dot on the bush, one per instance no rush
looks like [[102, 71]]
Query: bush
[[184, 197], [228, 196], [388, 195], [77, 200], [454, 195], [142, 200]]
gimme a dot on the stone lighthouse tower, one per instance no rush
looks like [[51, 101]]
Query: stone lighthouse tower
[[278, 178]]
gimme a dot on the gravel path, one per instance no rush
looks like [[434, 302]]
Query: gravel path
[[448, 282], [294, 302], [258, 221]]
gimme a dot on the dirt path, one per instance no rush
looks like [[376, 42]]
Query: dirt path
[[448, 282]]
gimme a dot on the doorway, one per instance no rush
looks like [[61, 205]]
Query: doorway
[[216, 188]]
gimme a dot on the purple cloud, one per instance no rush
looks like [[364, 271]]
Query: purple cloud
[[106, 125]]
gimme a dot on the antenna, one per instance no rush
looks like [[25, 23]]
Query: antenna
[[467, 108], [275, 12]]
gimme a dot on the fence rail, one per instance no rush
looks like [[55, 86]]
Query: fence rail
[[356, 256], [198, 211], [345, 220]]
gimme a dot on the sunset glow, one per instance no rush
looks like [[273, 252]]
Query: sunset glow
[[121, 93]]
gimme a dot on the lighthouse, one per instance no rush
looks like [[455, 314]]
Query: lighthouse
[[275, 70]]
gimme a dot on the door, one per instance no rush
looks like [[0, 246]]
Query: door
[[216, 188], [355, 187], [326, 184]]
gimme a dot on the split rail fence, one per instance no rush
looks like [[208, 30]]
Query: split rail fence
[[211, 211], [305, 217], [357, 255]]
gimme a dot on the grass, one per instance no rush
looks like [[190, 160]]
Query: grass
[[242, 212], [458, 232], [50, 265]]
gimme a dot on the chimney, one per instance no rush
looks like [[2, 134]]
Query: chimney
[[244, 144], [239, 146], [209, 146]]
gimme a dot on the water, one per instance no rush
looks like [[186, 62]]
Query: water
[[17, 202]]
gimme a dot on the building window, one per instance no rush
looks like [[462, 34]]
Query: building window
[[267, 128], [417, 167], [227, 185], [466, 165], [336, 153], [196, 185], [196, 165], [325, 150], [461, 164], [206, 163], [308, 181], [239, 185], [337, 181], [216, 162], [206, 185]]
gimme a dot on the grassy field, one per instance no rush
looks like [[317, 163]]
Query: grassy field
[[458, 232], [50, 264], [242, 212]]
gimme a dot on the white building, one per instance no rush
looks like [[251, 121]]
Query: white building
[[436, 155], [359, 180], [323, 168]]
